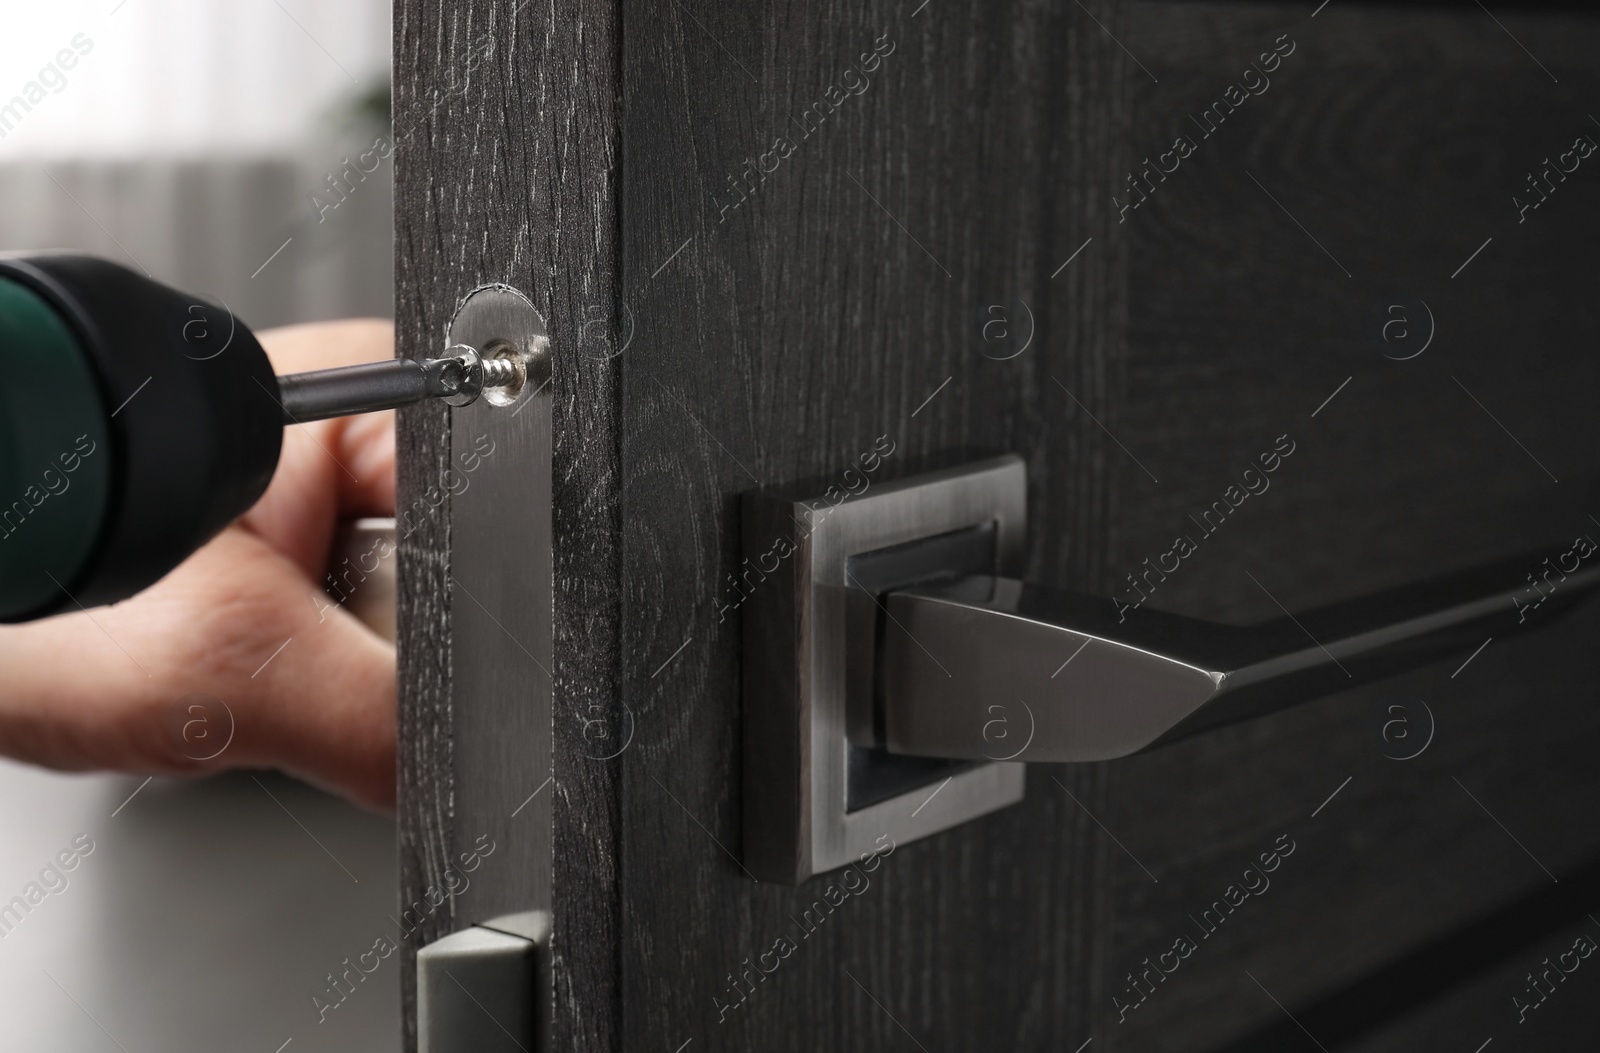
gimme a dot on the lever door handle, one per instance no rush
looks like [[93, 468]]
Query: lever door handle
[[993, 668], [890, 649]]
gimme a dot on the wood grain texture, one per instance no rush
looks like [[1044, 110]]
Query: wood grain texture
[[710, 339], [505, 118], [780, 337], [1396, 137]]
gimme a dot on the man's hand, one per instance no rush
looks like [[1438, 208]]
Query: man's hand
[[239, 637]]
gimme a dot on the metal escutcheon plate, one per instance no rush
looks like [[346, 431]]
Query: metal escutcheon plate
[[808, 627]]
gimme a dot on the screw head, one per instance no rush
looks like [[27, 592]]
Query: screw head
[[466, 380]]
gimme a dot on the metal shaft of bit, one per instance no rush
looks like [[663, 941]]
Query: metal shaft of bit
[[458, 379]]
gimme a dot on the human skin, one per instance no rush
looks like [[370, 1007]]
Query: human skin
[[115, 688]]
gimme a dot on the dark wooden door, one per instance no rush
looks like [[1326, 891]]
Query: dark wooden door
[[765, 236]]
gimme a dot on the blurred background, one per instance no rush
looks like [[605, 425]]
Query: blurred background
[[200, 141], [195, 138]]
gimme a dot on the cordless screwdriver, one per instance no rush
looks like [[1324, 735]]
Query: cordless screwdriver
[[137, 421]]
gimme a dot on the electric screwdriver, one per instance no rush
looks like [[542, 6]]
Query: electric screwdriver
[[137, 421]]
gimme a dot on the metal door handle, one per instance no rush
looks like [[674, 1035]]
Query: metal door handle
[[994, 668], [897, 671]]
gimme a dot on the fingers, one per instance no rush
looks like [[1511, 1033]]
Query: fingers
[[333, 470], [328, 472], [232, 661]]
